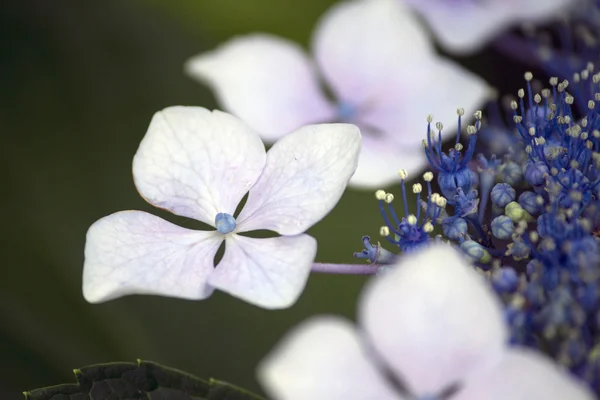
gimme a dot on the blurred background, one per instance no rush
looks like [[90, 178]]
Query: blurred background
[[79, 82]]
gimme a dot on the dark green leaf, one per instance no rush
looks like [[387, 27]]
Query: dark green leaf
[[144, 380]]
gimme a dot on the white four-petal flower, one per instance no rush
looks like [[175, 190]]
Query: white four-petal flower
[[430, 326], [200, 164], [381, 68], [464, 26]]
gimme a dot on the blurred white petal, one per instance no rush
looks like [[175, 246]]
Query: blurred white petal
[[267, 81], [323, 359]]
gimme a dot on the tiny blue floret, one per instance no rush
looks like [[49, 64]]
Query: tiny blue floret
[[225, 223]]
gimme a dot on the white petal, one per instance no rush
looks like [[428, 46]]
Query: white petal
[[305, 176], [322, 359], [466, 26], [360, 45], [266, 81], [380, 160], [197, 163], [433, 319], [435, 86], [523, 375], [133, 252], [270, 273]]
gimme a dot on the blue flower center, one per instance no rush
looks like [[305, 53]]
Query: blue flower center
[[346, 112], [225, 223]]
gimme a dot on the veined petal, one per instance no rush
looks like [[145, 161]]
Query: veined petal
[[360, 45], [305, 176], [266, 81], [133, 252], [433, 320], [197, 163], [381, 157], [269, 273], [323, 359], [523, 375], [465, 26], [434, 86]]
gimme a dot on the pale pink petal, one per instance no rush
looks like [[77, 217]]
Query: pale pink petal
[[433, 319], [197, 163], [523, 375], [270, 273], [359, 45], [266, 81], [305, 176], [133, 252], [323, 359], [466, 26], [380, 160], [435, 86]]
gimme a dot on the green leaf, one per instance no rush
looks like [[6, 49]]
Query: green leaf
[[144, 380]]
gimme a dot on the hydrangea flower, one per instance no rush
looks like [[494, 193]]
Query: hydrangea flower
[[379, 65], [200, 164], [429, 329], [464, 26]]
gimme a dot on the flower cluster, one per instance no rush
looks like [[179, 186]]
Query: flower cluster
[[530, 221]]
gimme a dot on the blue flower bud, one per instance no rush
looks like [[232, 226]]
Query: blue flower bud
[[511, 172], [502, 194], [502, 227], [476, 252], [454, 228], [505, 280], [529, 201], [535, 173], [450, 181]]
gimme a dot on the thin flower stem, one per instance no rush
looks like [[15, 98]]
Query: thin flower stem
[[347, 269]]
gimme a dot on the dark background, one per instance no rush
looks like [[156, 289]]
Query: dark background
[[79, 82]]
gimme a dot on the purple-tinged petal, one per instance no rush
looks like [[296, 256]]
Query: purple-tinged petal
[[435, 86], [522, 374], [380, 160], [305, 176], [270, 273], [266, 81], [197, 163], [323, 359], [360, 45], [464, 26], [433, 319], [133, 252]]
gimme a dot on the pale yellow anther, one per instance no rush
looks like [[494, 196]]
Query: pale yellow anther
[[521, 93], [471, 130], [517, 119], [460, 111], [478, 115], [537, 98], [428, 176], [439, 126], [534, 236], [458, 146], [554, 81], [403, 174], [514, 105], [528, 76], [380, 194], [428, 227], [434, 197], [429, 118], [389, 198], [417, 188], [531, 131], [441, 202], [384, 231], [411, 219]]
